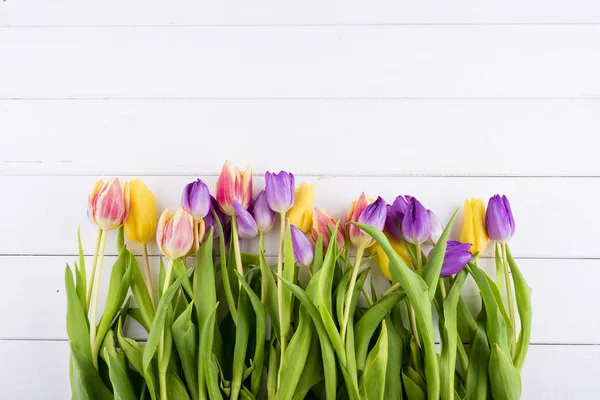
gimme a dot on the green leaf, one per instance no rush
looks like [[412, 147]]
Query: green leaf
[[350, 349], [393, 383], [413, 385], [505, 380], [466, 322], [117, 370], [120, 238], [368, 323], [312, 372], [141, 296], [272, 370], [209, 364], [523, 295], [417, 292], [180, 269], [433, 267], [77, 327], [269, 293], [373, 379], [176, 388], [499, 268], [289, 273], [318, 258], [80, 273], [450, 337], [186, 336], [86, 383], [242, 335], [158, 324], [477, 373], [224, 271]]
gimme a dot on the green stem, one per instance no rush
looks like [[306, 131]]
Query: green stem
[[442, 288], [462, 355], [359, 254], [368, 298], [162, 371], [419, 259], [391, 289], [280, 294], [94, 261], [147, 275], [413, 324], [509, 295], [236, 246], [95, 290]]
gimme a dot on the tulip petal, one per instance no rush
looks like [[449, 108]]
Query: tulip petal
[[140, 224], [279, 189], [195, 199], [304, 250], [247, 228], [263, 215], [416, 226]]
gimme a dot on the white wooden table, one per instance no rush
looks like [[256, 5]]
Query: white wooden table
[[442, 100]]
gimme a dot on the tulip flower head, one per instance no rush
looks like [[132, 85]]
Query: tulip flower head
[[365, 212], [499, 220], [108, 204], [140, 224], [234, 185], [416, 225], [456, 257], [436, 228], [473, 229], [196, 199], [262, 213], [246, 225], [301, 212], [304, 250], [382, 259], [279, 190], [395, 214], [175, 233], [321, 224]]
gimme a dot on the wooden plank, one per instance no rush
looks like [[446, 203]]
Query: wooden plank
[[34, 369], [42, 279], [293, 12], [423, 137], [552, 214], [410, 61]]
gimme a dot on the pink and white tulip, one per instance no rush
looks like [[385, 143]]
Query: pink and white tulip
[[234, 185], [175, 233], [108, 204]]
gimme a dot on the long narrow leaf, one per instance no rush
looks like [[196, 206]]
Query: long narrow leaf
[[433, 267], [523, 295]]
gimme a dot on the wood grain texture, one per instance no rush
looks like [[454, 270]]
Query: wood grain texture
[[424, 137], [302, 62], [293, 12]]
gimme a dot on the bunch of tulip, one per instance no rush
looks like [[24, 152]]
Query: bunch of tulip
[[310, 325]]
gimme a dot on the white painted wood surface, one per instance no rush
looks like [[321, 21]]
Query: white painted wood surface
[[444, 100]]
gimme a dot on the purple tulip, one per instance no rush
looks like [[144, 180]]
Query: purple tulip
[[210, 222], [436, 228], [263, 215], [374, 214], [279, 190], [395, 214], [456, 257], [247, 228], [416, 226], [499, 221], [304, 250], [196, 199]]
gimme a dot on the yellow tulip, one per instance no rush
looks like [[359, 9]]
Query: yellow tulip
[[140, 225], [473, 228], [300, 215], [382, 259]]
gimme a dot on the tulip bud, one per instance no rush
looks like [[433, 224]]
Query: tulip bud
[[436, 228], [499, 220], [108, 204], [473, 228], [395, 214], [505, 379], [301, 212], [320, 224], [279, 189], [416, 226], [304, 250], [371, 214], [246, 225], [175, 233], [234, 185], [263, 215], [382, 259], [456, 257], [196, 199], [140, 225]]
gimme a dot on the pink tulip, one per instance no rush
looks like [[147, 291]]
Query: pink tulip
[[108, 204], [321, 222], [175, 233], [234, 185]]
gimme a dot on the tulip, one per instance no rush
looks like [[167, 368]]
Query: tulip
[[304, 250], [140, 225], [416, 225], [175, 233], [436, 228], [301, 212], [210, 222], [371, 214], [320, 224], [499, 220], [456, 257], [395, 214], [108, 204], [263, 215], [196, 199], [247, 228], [473, 228], [279, 190], [234, 185], [382, 259]]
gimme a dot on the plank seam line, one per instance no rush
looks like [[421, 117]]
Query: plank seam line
[[308, 98], [313, 25]]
